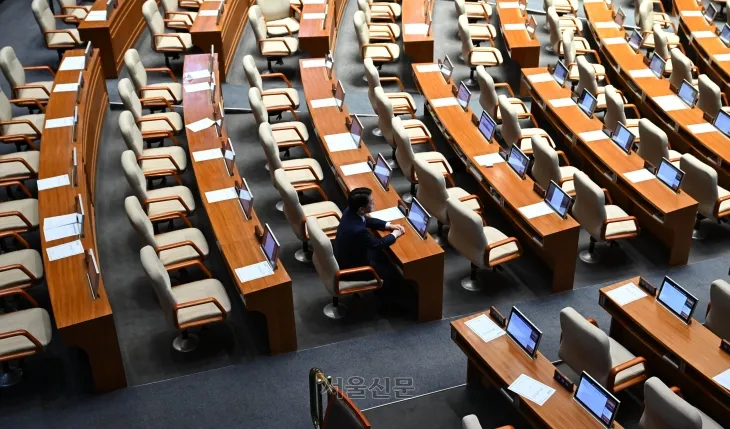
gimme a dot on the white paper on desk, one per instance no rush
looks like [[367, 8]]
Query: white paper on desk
[[319, 15], [626, 294], [197, 74], [641, 73], [607, 24], [357, 168], [721, 57], [195, 87], [53, 182], [388, 215], [65, 250], [60, 232], [691, 13], [723, 379], [59, 122], [640, 175], [340, 142], [221, 195], [540, 77], [444, 102], [324, 102], [73, 63], [562, 102], [66, 87], [313, 63], [200, 125], [428, 68], [255, 271], [205, 155], [96, 15], [514, 27], [485, 328], [591, 136], [703, 34], [531, 389], [416, 29], [670, 102], [489, 159], [613, 40], [509, 5], [56, 221], [536, 210], [209, 12], [704, 127]]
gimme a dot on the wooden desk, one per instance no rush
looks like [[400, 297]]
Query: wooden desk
[[619, 59], [271, 295], [555, 240], [317, 37], [648, 329], [667, 215], [501, 361], [83, 322], [115, 35], [422, 261], [522, 48], [225, 35], [417, 46]]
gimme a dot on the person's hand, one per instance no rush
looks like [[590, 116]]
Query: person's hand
[[397, 232], [396, 227]]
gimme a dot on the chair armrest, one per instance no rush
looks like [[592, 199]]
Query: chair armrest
[[446, 173], [168, 198], [181, 12], [619, 219], [286, 94], [279, 26], [319, 216], [383, 45], [505, 86], [275, 39], [164, 70], [166, 156], [162, 100], [21, 292], [175, 35], [177, 21], [20, 101], [160, 88], [46, 68], [155, 119], [501, 243], [69, 32], [181, 244], [13, 137], [410, 109], [170, 216], [308, 186], [562, 156], [20, 267], [382, 27], [197, 302], [16, 236], [20, 160], [393, 79], [357, 270], [676, 391], [594, 53], [610, 383], [634, 109], [277, 75], [473, 197], [607, 196], [28, 336], [18, 214], [718, 214], [289, 127], [23, 121]]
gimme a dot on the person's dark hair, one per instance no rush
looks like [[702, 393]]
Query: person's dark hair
[[359, 198]]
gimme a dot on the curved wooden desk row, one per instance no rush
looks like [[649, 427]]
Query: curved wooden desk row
[[315, 36], [417, 46], [648, 329], [621, 61], [422, 261], [554, 239], [669, 216], [225, 35], [521, 47], [235, 237], [82, 321]]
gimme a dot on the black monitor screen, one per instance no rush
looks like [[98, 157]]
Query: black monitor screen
[[635, 40], [688, 93], [620, 17], [446, 68], [560, 73], [356, 130], [382, 171], [722, 122], [597, 400], [557, 199], [670, 175], [523, 332], [657, 65], [518, 161], [587, 103], [675, 298], [419, 218], [487, 126], [339, 95], [270, 245], [463, 96], [623, 138], [710, 13], [725, 34], [245, 198]]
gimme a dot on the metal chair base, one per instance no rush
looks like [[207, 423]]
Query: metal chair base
[[377, 132], [470, 284], [185, 343], [302, 256], [589, 257], [335, 313], [407, 197], [471, 83], [549, 48], [698, 234], [439, 240], [10, 377], [280, 206]]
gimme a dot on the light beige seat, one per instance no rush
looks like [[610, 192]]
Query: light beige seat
[[489, 99], [557, 26], [700, 182], [153, 125], [170, 91], [403, 103], [24, 129], [513, 133], [157, 162], [188, 305], [380, 53], [272, 48], [563, 7], [191, 4], [710, 99], [20, 269], [73, 13], [169, 44], [60, 40], [664, 408], [17, 167], [483, 246], [588, 79], [385, 11], [475, 56], [682, 69], [661, 47], [286, 134], [164, 204], [546, 167], [176, 19], [417, 131], [277, 100], [584, 347], [14, 73], [717, 318], [616, 112], [279, 17], [604, 222], [661, 17], [655, 144], [646, 23], [571, 53], [19, 215], [379, 31], [474, 10]]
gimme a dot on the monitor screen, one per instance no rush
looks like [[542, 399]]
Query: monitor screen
[[657, 65], [560, 74], [623, 138], [446, 68], [597, 400], [523, 332], [670, 175], [80, 214], [419, 218], [382, 171], [722, 122], [463, 96], [688, 93], [487, 126], [270, 245], [587, 103], [557, 199], [675, 298], [356, 130], [245, 198], [531, 25], [339, 95], [229, 157], [620, 17], [518, 161], [710, 13], [725, 34], [635, 40], [329, 64]]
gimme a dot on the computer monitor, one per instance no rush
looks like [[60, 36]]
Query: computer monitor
[[447, 68], [710, 13], [382, 171], [229, 156], [79, 87], [523, 332], [487, 126], [670, 175], [245, 197], [722, 122], [518, 161], [92, 271], [329, 64], [356, 130], [429, 22], [558, 199], [339, 92], [463, 96], [635, 40], [218, 17], [87, 54], [419, 218], [657, 65], [725, 34], [688, 94], [597, 400], [623, 138], [560, 74], [270, 246], [531, 26], [677, 300], [587, 103], [620, 17], [74, 168]]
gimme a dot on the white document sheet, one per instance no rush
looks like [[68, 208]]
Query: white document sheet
[[340, 142], [541, 77], [221, 195], [607, 24], [324, 102], [428, 68], [200, 125], [514, 27], [670, 102], [66, 87], [388, 215], [591, 136], [509, 5], [209, 12], [489, 159], [613, 40], [72, 63], [536, 210], [531, 389], [53, 182], [65, 250], [562, 102], [205, 155], [626, 294], [313, 63], [56, 221], [96, 15], [703, 34], [691, 13], [416, 29], [255, 271], [197, 87], [640, 175], [59, 122], [198, 74], [721, 57], [444, 102], [62, 232], [704, 127], [723, 379], [319, 15], [485, 328], [641, 73], [358, 168]]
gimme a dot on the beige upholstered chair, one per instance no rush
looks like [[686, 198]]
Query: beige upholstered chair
[[604, 222], [191, 4], [164, 204], [169, 44], [272, 48], [700, 182], [417, 131], [710, 99], [588, 79], [60, 40], [433, 194], [547, 168], [379, 31], [483, 246], [616, 112], [17, 167], [19, 216], [661, 47], [489, 99], [380, 53], [665, 409], [717, 318], [336, 280], [14, 73], [570, 49], [584, 347], [661, 18], [557, 26], [513, 133], [563, 7], [287, 134], [187, 305], [481, 32], [474, 10], [654, 144], [21, 268], [73, 12], [682, 69], [24, 333], [24, 129], [475, 56], [172, 92], [403, 103], [646, 24], [279, 17], [175, 18], [154, 125], [277, 100], [385, 11], [326, 213]]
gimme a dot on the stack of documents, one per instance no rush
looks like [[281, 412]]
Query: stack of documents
[[358, 168], [73, 63], [626, 294], [65, 250], [641, 73], [531, 389], [426, 68], [197, 74], [562, 102], [59, 122], [195, 87], [57, 227], [213, 12], [704, 127], [313, 63], [205, 155], [485, 328], [388, 215], [670, 102], [324, 102], [591, 136], [254, 271], [221, 195], [416, 29], [319, 15], [723, 379], [489, 159], [514, 27], [200, 125], [639, 175], [66, 87], [96, 15], [536, 210], [541, 77], [340, 142], [444, 102]]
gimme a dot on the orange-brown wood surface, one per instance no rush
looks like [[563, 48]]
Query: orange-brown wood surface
[[225, 35], [522, 48], [417, 46], [271, 295], [317, 37]]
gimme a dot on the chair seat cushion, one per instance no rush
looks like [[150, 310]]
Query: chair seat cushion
[[486, 57], [187, 20], [526, 138], [580, 44], [564, 6], [27, 206], [570, 22], [162, 125], [176, 152], [401, 101], [384, 10], [289, 135], [29, 258], [281, 46], [345, 285], [516, 104], [442, 167], [633, 126], [36, 93], [382, 52], [476, 10], [172, 205], [302, 175], [273, 27], [416, 129], [494, 235], [674, 155], [574, 75], [567, 172], [326, 223], [379, 31], [18, 169], [616, 228], [209, 288], [175, 88], [271, 99], [61, 39], [619, 355], [35, 320], [725, 205], [180, 254], [25, 129], [457, 192], [172, 42], [482, 32], [78, 13], [672, 40]]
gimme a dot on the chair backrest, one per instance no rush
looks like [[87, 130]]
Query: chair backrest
[[252, 73], [586, 76], [160, 280], [135, 68], [271, 149], [589, 208], [465, 35], [6, 110], [154, 21], [700, 182], [487, 92], [43, 16], [131, 133], [614, 108], [583, 346], [404, 151], [373, 77], [362, 31], [134, 175], [466, 233], [661, 45], [664, 409], [274, 9], [129, 97], [364, 7], [709, 100], [385, 114], [681, 68], [139, 220], [432, 191], [11, 67], [510, 129], [470, 422], [546, 166], [637, 12], [257, 106], [569, 51], [553, 27], [654, 143], [646, 16], [258, 23], [170, 5], [718, 318], [292, 207], [460, 7], [323, 256]]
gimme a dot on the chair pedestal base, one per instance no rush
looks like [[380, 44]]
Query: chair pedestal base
[[699, 234], [407, 197], [302, 256], [549, 48], [280, 206], [392, 163], [335, 311], [439, 240], [377, 132], [10, 376], [471, 83], [185, 342], [266, 166], [470, 284], [589, 257]]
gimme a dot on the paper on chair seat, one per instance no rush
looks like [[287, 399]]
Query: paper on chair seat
[[221, 195], [642, 73], [704, 127], [209, 12], [66, 87], [53, 182], [65, 250], [62, 232], [691, 13], [670, 102], [205, 155], [198, 74], [444, 102], [416, 29], [388, 215], [340, 142], [562, 102], [59, 122], [723, 379], [721, 57], [626, 294], [540, 77], [513, 27], [607, 24], [591, 136], [536, 210], [640, 175], [313, 63], [357, 168], [195, 87], [489, 159], [531, 389], [485, 328], [613, 40], [200, 125], [96, 15], [324, 102], [73, 63], [319, 15], [427, 68], [255, 271], [509, 5], [703, 34]]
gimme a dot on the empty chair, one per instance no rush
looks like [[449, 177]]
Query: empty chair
[[24, 129], [562, 6], [286, 134], [604, 222], [474, 10], [489, 99], [665, 409], [276, 100], [272, 48], [571, 54], [154, 125], [682, 69], [403, 103], [416, 130], [178, 249], [661, 47], [710, 99], [513, 133], [187, 305], [700, 182], [475, 56], [588, 79], [154, 162], [14, 73], [378, 30], [481, 32], [385, 11], [58, 39], [175, 18], [23, 333], [584, 347], [171, 45], [557, 25], [661, 17], [547, 168], [717, 318], [616, 112], [279, 17], [380, 53], [337, 282], [170, 91], [483, 246], [646, 23], [72, 12], [655, 144], [21, 268], [326, 213]]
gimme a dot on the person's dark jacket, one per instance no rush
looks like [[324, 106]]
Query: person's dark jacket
[[355, 245]]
